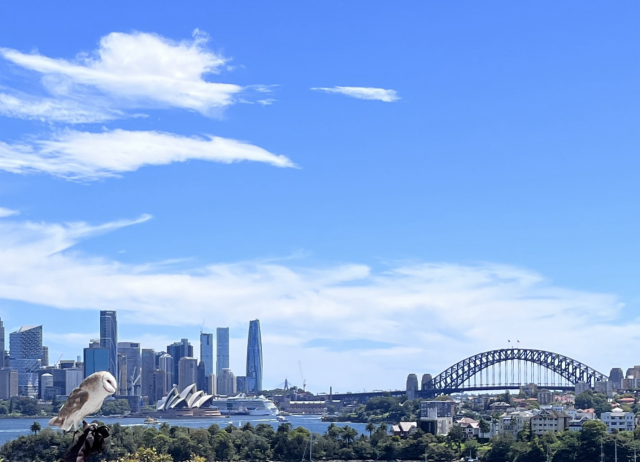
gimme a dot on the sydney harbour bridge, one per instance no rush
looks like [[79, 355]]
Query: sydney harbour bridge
[[508, 368]]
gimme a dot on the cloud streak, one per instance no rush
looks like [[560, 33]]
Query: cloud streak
[[5, 212], [429, 315], [137, 69], [379, 94], [90, 156]]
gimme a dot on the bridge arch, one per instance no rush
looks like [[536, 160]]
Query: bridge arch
[[455, 377]]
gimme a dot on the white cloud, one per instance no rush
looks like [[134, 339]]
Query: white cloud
[[5, 212], [137, 69], [89, 156], [432, 314], [380, 94], [54, 110]]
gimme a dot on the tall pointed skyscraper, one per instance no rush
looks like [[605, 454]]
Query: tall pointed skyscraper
[[254, 358], [109, 338]]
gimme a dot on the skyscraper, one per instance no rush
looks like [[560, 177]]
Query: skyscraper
[[134, 367], [206, 352], [95, 358], [109, 340], [222, 347], [254, 358], [227, 383], [187, 372], [165, 364], [25, 356], [179, 350], [148, 368], [2, 345]]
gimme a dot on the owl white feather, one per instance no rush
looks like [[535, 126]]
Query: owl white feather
[[85, 400]]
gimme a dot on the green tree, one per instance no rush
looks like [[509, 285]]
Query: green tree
[[456, 435], [592, 435], [500, 448], [584, 400], [370, 428], [35, 428], [484, 427], [349, 434]]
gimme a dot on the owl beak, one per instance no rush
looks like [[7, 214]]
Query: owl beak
[[109, 388]]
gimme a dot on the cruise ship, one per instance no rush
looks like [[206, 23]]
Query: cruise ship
[[242, 405]]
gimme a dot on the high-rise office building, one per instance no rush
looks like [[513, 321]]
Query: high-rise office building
[[122, 372], [179, 350], [25, 356], [206, 353], [202, 378], [148, 368], [44, 361], [254, 358], [134, 366], [187, 372], [222, 349], [241, 384], [8, 383], [165, 364], [95, 358], [109, 340], [159, 386], [2, 345]]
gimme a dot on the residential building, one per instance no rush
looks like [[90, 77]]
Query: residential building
[[436, 417], [187, 372], [545, 397], [618, 420], [513, 422], [95, 358], [549, 421], [404, 429], [8, 383], [227, 383], [254, 358], [25, 356], [109, 339], [131, 350], [582, 387], [604, 387], [412, 386], [222, 350], [469, 427]]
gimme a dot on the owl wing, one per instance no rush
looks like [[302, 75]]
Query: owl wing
[[76, 400]]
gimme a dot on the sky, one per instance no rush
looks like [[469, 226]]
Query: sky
[[390, 187]]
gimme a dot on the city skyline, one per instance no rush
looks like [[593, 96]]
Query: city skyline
[[384, 202]]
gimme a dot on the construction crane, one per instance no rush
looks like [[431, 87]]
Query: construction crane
[[134, 381], [304, 382]]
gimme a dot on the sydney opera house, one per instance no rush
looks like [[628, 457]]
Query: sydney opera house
[[188, 403]]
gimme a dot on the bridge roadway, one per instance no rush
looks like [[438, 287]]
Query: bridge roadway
[[363, 397]]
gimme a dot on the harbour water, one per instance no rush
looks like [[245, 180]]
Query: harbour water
[[13, 428]]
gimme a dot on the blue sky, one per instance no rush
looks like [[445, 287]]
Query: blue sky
[[390, 187]]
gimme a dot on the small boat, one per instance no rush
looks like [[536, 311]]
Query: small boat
[[282, 418], [151, 421]]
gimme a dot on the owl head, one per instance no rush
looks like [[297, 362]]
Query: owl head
[[109, 383]]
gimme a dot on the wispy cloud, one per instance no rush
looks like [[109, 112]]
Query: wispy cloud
[[54, 110], [90, 156], [380, 94], [131, 70], [5, 212], [433, 314]]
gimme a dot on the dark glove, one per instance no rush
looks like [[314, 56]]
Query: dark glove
[[92, 441]]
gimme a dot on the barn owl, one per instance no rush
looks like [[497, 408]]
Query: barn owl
[[85, 400]]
